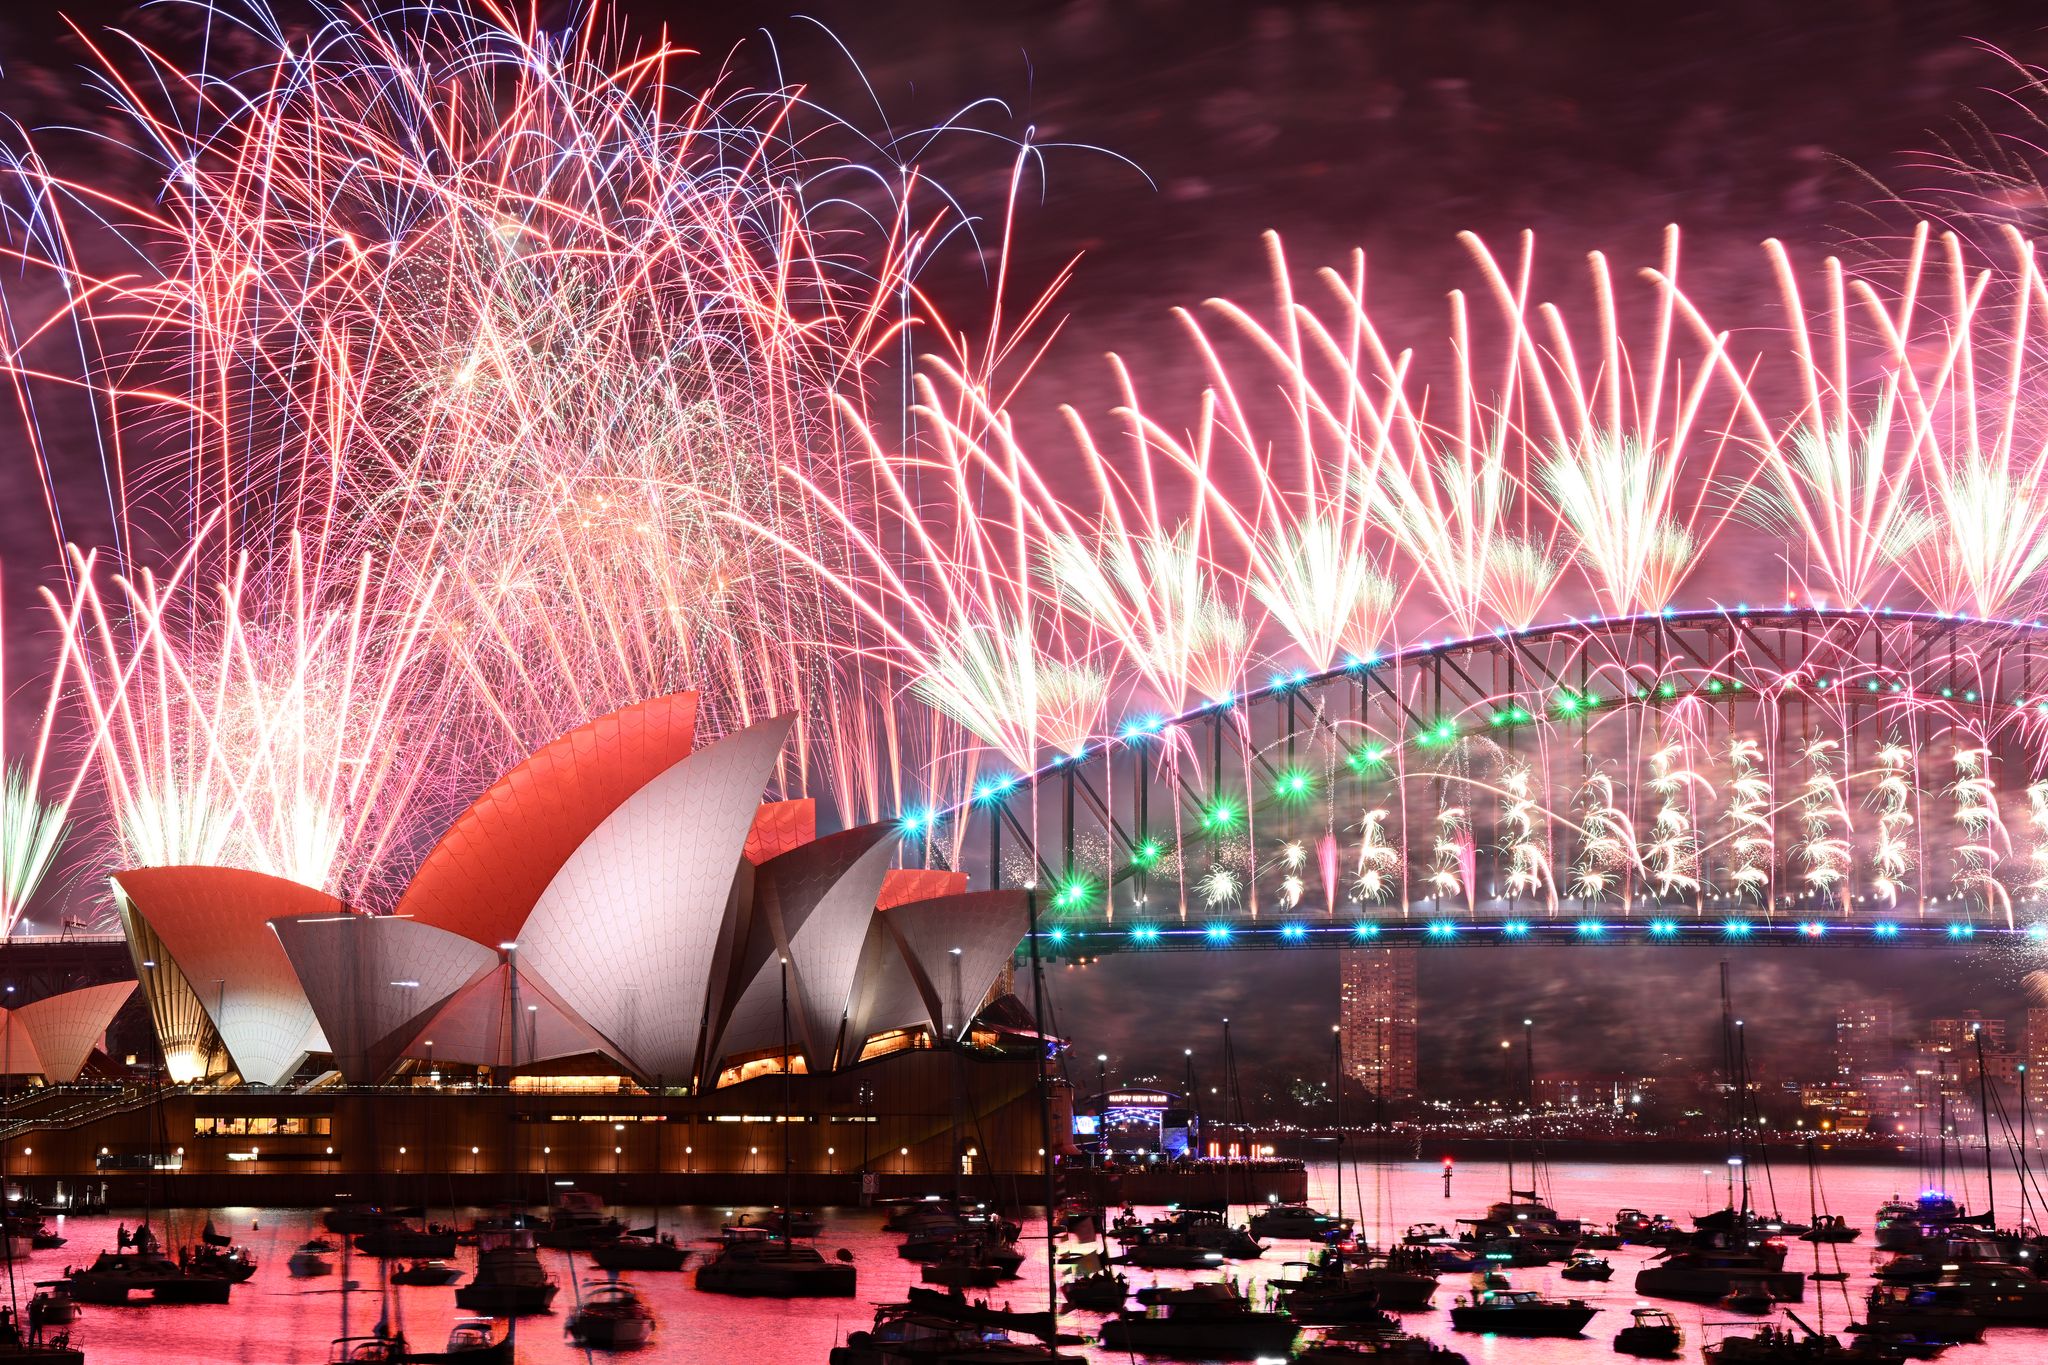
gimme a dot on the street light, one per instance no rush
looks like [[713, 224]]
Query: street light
[[1101, 1107]]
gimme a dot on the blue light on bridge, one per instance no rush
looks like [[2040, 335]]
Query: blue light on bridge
[[1962, 931], [1515, 928], [1884, 928], [1145, 933], [1442, 929], [1365, 930], [1591, 928], [1736, 928], [1293, 933], [1217, 933], [2037, 933], [995, 789], [1143, 726], [1058, 936], [915, 821], [1813, 928], [1663, 928]]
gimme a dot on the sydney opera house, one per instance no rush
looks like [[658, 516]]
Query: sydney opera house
[[618, 962]]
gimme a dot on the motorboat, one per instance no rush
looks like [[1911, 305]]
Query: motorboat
[[1167, 1253], [310, 1261], [1903, 1226], [1095, 1287], [1298, 1220], [1711, 1261], [1354, 1346], [765, 1267], [966, 1267], [1749, 1296], [1403, 1279], [1584, 1265], [350, 1219], [509, 1279], [2003, 1295], [1600, 1239], [577, 1222], [798, 1223], [1325, 1296], [1203, 1227], [1883, 1344], [902, 1335], [1830, 1227], [471, 1341], [141, 1272], [984, 1250], [400, 1239], [54, 1307], [1521, 1313], [1938, 1312], [1651, 1334], [1211, 1320], [1774, 1345], [612, 1315], [957, 1307], [231, 1263], [1428, 1235], [427, 1273], [635, 1251]]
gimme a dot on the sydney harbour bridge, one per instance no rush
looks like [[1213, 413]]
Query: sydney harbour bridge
[[1738, 776]]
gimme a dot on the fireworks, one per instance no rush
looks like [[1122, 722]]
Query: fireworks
[[459, 382]]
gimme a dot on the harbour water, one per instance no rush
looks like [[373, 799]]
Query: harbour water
[[275, 1320]]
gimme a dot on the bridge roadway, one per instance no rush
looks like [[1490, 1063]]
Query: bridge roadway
[[1097, 937]]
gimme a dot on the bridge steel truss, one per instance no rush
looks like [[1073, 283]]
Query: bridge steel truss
[[1714, 777]]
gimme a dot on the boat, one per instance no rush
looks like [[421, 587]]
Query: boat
[[1584, 1265], [965, 1267], [902, 1334], [400, 1239], [1298, 1220], [1651, 1334], [1521, 1313], [577, 1222], [1211, 1320], [1711, 1263], [1600, 1239], [2003, 1295], [1749, 1296], [139, 1267], [1403, 1278], [641, 1250], [1097, 1289], [1325, 1296], [471, 1341], [350, 1219], [957, 1307], [1881, 1344], [57, 1350], [940, 1247], [310, 1260], [1936, 1312], [53, 1307], [233, 1264], [765, 1267], [1428, 1235], [427, 1273], [1905, 1227], [797, 1223], [612, 1315], [1353, 1346], [1774, 1345], [1162, 1252], [1830, 1227], [509, 1279]]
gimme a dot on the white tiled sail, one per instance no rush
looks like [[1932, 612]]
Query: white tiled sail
[[368, 976], [816, 902], [64, 1029], [626, 931], [985, 926], [885, 996], [213, 922]]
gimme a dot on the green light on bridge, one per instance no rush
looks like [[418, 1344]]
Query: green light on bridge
[[1366, 758], [1073, 893], [1220, 817], [1147, 854], [1295, 784]]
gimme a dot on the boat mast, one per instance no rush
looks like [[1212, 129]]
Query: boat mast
[[1337, 1096], [1052, 1273], [1984, 1117], [788, 1166]]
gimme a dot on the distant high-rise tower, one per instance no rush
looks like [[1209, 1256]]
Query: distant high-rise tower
[[2037, 1060], [1863, 1041], [1378, 1019]]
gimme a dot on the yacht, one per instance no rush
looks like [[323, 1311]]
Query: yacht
[[578, 1222], [1905, 1227], [1351, 1346], [1521, 1313], [612, 1315], [1095, 1287], [1213, 1320], [641, 1251], [141, 1268], [798, 1223], [472, 1341], [1584, 1265], [398, 1238], [1936, 1312], [1325, 1296], [310, 1260], [902, 1335], [509, 1278], [232, 1263], [1298, 1220], [767, 1267], [1651, 1334], [1403, 1278], [1773, 1345], [1711, 1262], [966, 1267], [428, 1273]]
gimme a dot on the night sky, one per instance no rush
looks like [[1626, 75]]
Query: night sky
[[1388, 126]]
